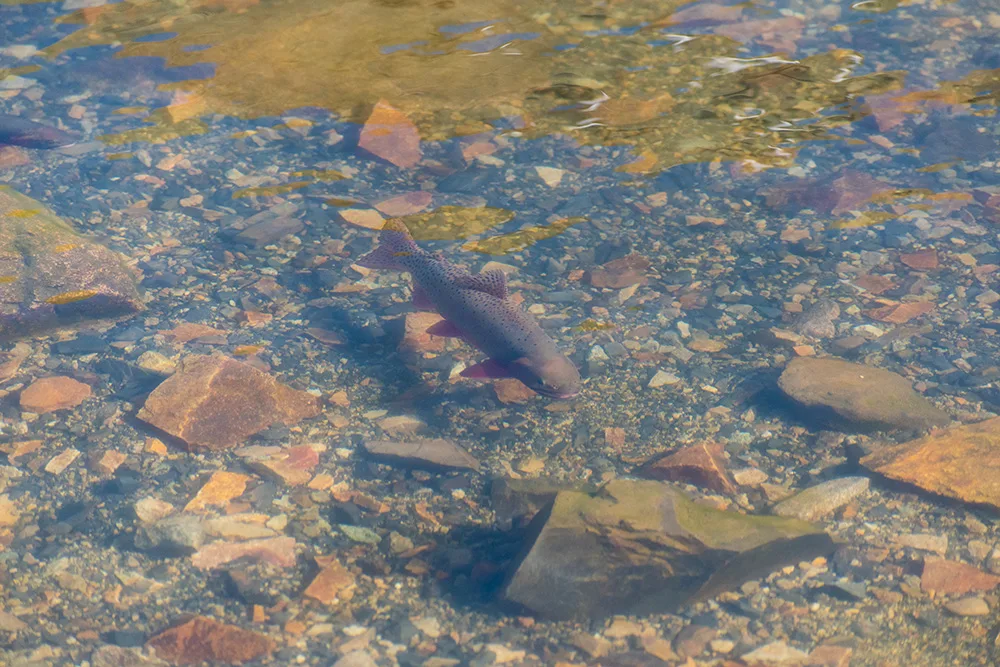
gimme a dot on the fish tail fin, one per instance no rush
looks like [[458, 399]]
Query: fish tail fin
[[394, 241]]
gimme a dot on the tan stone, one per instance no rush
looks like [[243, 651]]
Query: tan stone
[[948, 577], [53, 393], [415, 336], [278, 551], [188, 331], [962, 462], [865, 396], [8, 512], [218, 490], [509, 390], [331, 583], [217, 403], [390, 135], [61, 461], [107, 462]]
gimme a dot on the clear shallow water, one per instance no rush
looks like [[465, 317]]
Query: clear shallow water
[[758, 157]]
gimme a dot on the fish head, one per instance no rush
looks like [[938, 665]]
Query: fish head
[[553, 376]]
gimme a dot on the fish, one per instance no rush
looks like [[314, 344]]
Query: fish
[[478, 309], [18, 131]]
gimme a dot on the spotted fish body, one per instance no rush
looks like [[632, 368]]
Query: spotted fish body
[[477, 309]]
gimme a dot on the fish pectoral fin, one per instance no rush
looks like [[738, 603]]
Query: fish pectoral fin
[[445, 329], [420, 299], [492, 282], [486, 370]]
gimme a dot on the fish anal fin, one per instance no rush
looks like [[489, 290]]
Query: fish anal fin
[[445, 329], [493, 282], [486, 370], [420, 299], [382, 257]]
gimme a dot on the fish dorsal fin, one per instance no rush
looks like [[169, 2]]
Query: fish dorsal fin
[[492, 282]]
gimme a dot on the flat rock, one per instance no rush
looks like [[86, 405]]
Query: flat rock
[[121, 656], [331, 583], [171, 536], [863, 396], [53, 393], [971, 606], [961, 462], [823, 499], [619, 273], [204, 639], [218, 402], [924, 542], [775, 653], [292, 466], [11, 623], [52, 276], [703, 464], [220, 488], [437, 453], [278, 551], [390, 135], [519, 500], [581, 551], [948, 577]]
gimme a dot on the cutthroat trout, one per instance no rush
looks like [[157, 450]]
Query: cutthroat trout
[[17, 131], [477, 309]]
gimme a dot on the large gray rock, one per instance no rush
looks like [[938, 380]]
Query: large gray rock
[[863, 396], [50, 275], [644, 547]]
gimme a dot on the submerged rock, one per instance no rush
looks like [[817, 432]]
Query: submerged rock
[[51, 276], [821, 500], [962, 462], [217, 403], [438, 453], [644, 547], [863, 396], [205, 639], [703, 464]]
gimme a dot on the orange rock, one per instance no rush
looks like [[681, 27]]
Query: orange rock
[[53, 393], [509, 390], [901, 313], [17, 450], [187, 332], [390, 135], [217, 403], [291, 466], [703, 464], [874, 284], [278, 551], [218, 490], [105, 463], [961, 462], [948, 577], [204, 639], [62, 460], [332, 582], [922, 260]]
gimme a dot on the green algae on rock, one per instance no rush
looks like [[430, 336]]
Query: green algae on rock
[[50, 275], [645, 547]]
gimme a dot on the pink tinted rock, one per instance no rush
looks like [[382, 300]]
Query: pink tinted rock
[[390, 135], [278, 551], [407, 204]]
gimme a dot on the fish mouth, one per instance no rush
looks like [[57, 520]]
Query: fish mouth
[[559, 394]]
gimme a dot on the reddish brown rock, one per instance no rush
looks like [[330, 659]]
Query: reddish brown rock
[[509, 390], [844, 191], [202, 639], [217, 403], [390, 135], [292, 466], [948, 577], [619, 273], [333, 583], [53, 393], [278, 551], [830, 655], [703, 464], [874, 284], [922, 260], [900, 313], [962, 462]]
